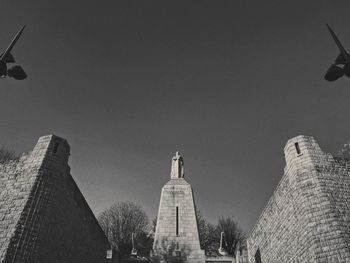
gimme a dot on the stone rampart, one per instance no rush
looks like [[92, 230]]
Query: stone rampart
[[43, 215], [307, 219]]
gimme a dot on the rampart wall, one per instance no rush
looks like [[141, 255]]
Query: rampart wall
[[307, 219], [43, 215]]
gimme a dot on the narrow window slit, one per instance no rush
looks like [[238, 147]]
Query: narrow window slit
[[55, 147], [177, 221], [297, 148]]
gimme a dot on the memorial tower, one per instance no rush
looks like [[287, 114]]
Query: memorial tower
[[176, 238]]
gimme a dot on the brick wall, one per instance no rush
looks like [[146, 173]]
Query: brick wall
[[307, 219], [43, 215]]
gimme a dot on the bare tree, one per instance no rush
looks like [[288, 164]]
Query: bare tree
[[233, 234], [209, 237], [120, 221]]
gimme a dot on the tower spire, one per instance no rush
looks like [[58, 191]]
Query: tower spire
[[177, 166]]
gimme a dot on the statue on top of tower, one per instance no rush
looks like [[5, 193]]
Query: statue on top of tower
[[177, 166]]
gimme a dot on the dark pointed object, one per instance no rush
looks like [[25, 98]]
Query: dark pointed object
[[335, 71], [339, 44], [5, 56], [15, 72]]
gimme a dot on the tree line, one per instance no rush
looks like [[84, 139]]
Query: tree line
[[123, 219]]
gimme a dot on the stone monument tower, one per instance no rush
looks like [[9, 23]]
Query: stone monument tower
[[176, 238]]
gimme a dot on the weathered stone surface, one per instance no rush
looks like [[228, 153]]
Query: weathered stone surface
[[307, 219], [177, 239], [43, 215]]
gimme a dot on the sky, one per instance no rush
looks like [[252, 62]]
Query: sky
[[128, 83]]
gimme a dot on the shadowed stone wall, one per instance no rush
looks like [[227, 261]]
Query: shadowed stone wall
[[43, 215], [307, 219]]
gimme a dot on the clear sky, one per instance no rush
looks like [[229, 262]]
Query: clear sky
[[128, 83]]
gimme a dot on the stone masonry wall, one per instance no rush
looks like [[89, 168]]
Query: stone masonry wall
[[14, 192], [307, 219], [43, 215]]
